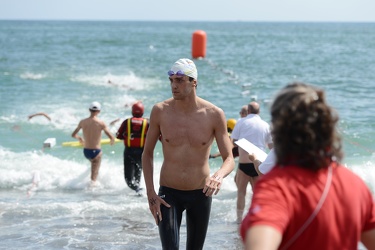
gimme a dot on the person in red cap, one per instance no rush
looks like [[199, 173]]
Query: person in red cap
[[133, 131]]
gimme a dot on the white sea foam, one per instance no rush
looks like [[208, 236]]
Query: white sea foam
[[32, 76], [128, 82]]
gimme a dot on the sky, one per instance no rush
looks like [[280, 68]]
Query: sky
[[193, 10]]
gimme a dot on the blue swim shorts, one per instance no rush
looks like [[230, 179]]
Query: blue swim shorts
[[91, 153]]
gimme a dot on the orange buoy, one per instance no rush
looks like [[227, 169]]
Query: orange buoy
[[199, 44]]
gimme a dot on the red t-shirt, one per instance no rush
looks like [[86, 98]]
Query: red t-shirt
[[286, 197]]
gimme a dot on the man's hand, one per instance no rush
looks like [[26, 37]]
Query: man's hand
[[252, 157], [154, 203], [80, 139], [213, 185], [112, 141]]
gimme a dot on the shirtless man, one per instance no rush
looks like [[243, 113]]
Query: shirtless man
[[258, 132], [187, 125], [92, 128]]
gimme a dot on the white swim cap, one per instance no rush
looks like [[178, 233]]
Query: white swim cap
[[185, 66]]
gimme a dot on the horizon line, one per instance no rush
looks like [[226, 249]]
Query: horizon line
[[218, 21]]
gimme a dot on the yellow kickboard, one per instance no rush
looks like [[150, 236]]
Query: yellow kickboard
[[78, 144]]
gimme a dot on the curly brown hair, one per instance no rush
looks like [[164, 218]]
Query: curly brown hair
[[303, 128]]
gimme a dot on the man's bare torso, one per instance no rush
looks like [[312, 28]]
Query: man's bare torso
[[92, 132], [187, 138]]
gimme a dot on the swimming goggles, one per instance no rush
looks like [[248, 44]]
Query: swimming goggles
[[178, 73]]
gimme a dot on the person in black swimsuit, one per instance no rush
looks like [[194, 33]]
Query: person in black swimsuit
[[186, 125], [254, 129]]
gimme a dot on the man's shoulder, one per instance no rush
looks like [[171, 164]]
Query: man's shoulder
[[85, 120], [92, 122], [205, 102], [240, 122], [96, 120], [255, 118], [125, 121], [209, 106], [266, 124], [163, 104]]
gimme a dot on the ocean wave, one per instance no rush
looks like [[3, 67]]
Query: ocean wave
[[32, 76]]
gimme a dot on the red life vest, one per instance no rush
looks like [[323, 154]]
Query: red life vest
[[135, 132]]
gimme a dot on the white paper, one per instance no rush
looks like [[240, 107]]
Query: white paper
[[251, 149]]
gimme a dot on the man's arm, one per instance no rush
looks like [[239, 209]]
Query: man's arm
[[262, 237], [75, 133], [268, 163], [108, 133], [41, 113], [153, 134], [120, 131], [368, 239], [224, 144], [114, 122]]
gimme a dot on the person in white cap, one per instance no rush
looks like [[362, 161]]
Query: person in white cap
[[186, 125], [92, 128]]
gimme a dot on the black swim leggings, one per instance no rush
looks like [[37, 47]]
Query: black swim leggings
[[198, 208], [133, 167]]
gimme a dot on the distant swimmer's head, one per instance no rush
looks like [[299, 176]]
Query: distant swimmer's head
[[230, 124], [95, 106], [138, 109], [183, 67]]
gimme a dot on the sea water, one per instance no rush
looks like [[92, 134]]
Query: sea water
[[61, 67]]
